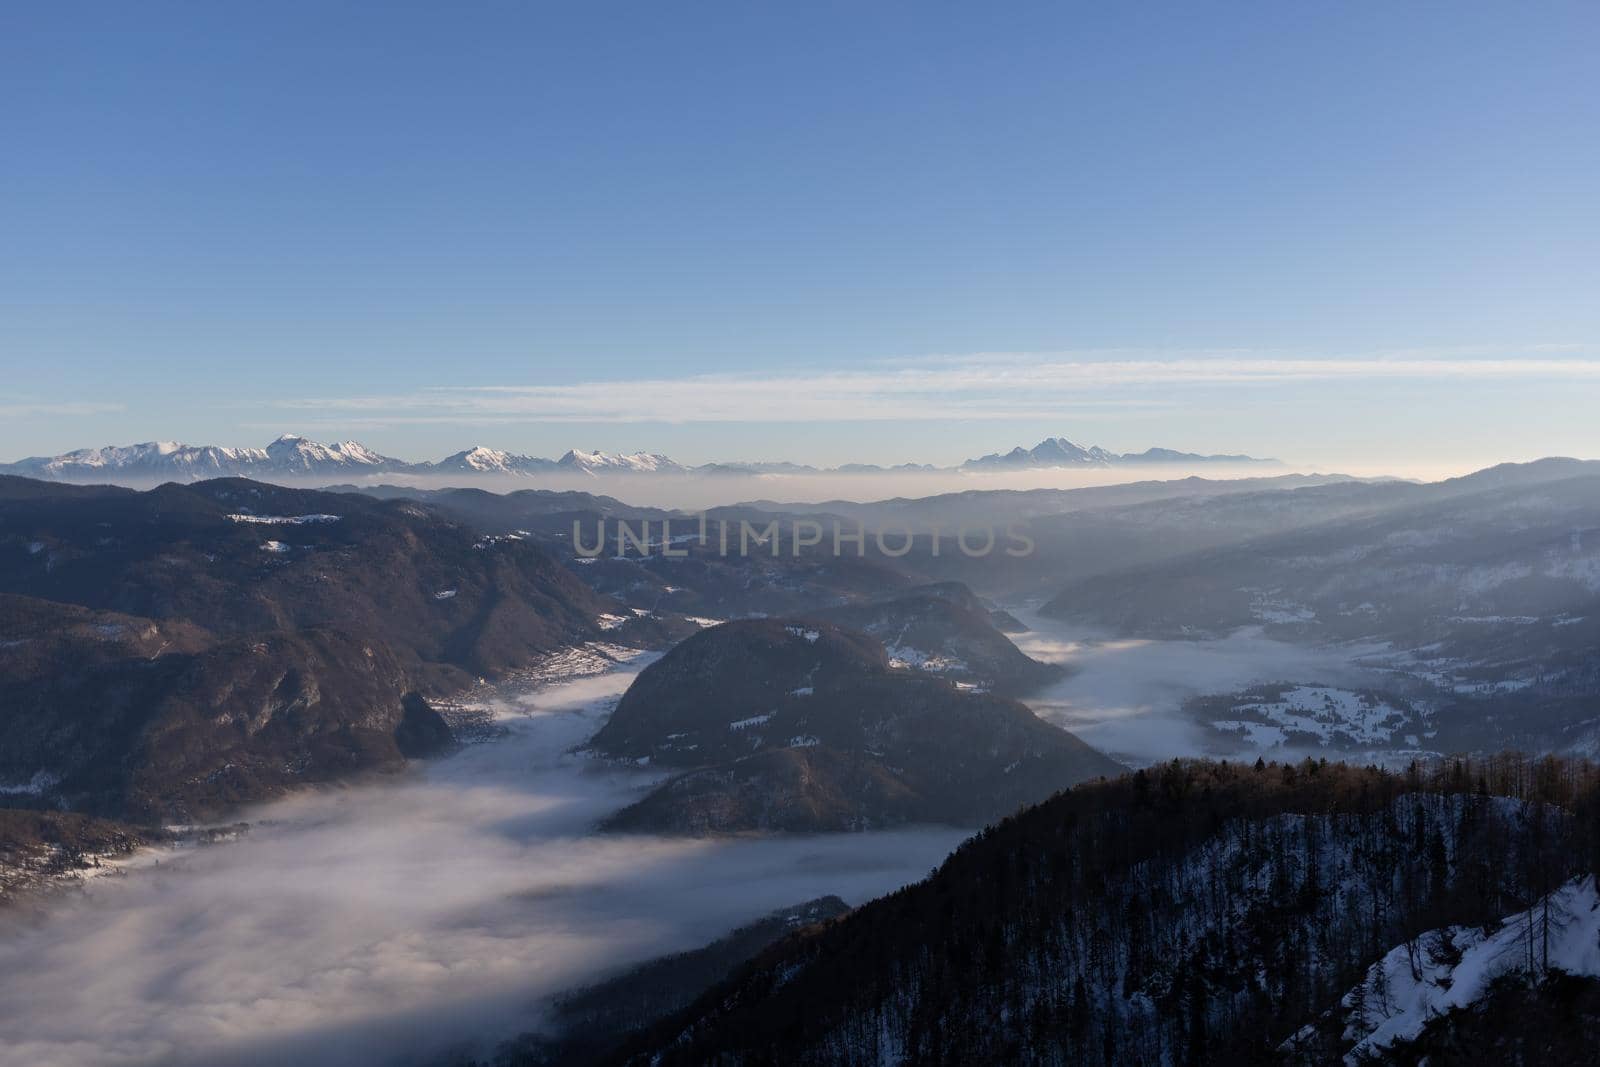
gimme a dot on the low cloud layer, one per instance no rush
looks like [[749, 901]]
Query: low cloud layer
[[383, 924], [1126, 697], [805, 490]]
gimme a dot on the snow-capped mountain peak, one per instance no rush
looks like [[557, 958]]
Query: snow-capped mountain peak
[[482, 460], [301, 453], [153, 457], [633, 462]]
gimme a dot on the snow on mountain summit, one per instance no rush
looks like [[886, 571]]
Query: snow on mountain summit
[[289, 454], [481, 460], [296, 455], [294, 452], [151, 456], [635, 462]]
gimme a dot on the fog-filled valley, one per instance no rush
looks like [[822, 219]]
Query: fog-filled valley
[[391, 775], [397, 922]]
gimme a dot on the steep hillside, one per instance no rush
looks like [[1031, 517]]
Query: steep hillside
[[183, 736], [167, 654]]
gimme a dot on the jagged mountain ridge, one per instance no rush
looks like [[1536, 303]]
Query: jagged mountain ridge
[[289, 454], [292, 455]]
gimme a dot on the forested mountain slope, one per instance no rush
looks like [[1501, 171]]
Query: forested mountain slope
[[1192, 913], [234, 557], [165, 655]]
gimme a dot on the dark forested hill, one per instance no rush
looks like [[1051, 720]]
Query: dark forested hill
[[801, 725], [170, 653], [185, 735], [1193, 913]]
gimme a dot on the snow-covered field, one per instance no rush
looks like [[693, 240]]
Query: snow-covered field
[[377, 924], [284, 520], [1322, 714]]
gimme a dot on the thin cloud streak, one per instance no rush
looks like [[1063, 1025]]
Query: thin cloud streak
[[35, 409], [973, 387]]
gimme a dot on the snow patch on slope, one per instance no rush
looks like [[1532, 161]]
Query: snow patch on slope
[[1454, 967]]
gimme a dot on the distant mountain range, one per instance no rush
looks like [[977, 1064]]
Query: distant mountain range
[[1060, 452], [292, 456]]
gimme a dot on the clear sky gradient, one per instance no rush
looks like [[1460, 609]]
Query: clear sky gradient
[[1337, 233]]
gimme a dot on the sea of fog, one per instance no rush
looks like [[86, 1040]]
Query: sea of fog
[[386, 923], [693, 492], [383, 924]]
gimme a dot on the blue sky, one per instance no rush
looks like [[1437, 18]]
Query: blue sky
[[808, 231]]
